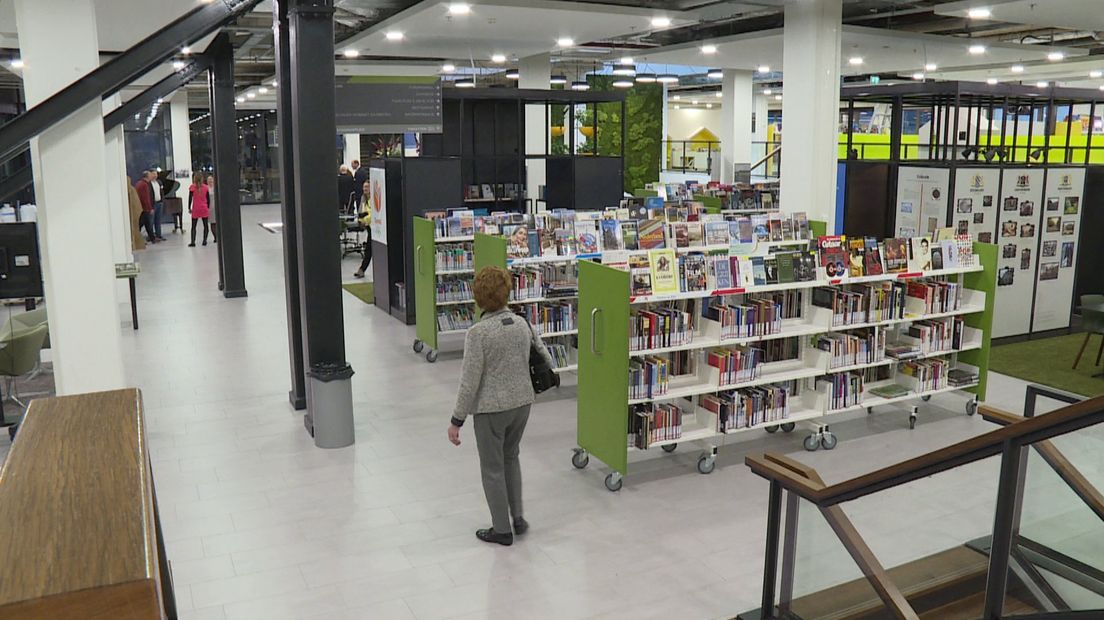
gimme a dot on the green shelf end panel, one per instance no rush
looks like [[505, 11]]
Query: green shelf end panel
[[818, 228], [425, 282], [645, 193], [602, 403], [986, 281], [712, 204], [489, 251]]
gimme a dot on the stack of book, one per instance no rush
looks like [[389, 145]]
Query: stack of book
[[844, 389], [660, 327], [528, 284], [928, 296], [651, 423], [890, 390], [562, 355], [864, 346], [748, 406], [549, 318], [454, 289], [926, 375], [453, 256], [754, 317], [456, 317], [736, 364], [959, 376], [648, 377]]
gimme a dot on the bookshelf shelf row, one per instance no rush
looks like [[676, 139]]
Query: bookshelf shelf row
[[454, 272]]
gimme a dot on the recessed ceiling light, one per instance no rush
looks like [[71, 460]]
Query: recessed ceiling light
[[645, 78], [977, 48], [931, 66], [1102, 87], [622, 83], [448, 67], [709, 49], [240, 99], [558, 79], [565, 41], [763, 69], [513, 74], [716, 74], [393, 35], [275, 83], [767, 91], [709, 106], [719, 94], [661, 22], [351, 53], [465, 83], [1096, 73], [499, 58], [991, 81], [667, 78], [626, 60], [855, 60], [1055, 56], [262, 90], [678, 107], [778, 97], [918, 75], [1017, 68], [185, 50], [250, 95], [459, 8], [17, 63], [676, 97], [1042, 84], [177, 64], [580, 85], [979, 13], [693, 102]]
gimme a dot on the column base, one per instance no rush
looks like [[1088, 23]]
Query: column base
[[232, 294], [298, 403]]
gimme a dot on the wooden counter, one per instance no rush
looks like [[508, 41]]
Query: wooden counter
[[78, 528]]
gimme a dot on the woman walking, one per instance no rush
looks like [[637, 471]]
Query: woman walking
[[199, 206], [495, 389], [365, 221]]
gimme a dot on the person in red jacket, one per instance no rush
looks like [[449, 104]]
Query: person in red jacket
[[145, 196]]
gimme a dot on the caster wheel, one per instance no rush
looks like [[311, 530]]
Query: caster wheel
[[811, 443], [828, 441], [971, 407], [912, 422], [706, 464], [669, 448], [869, 410], [788, 427], [614, 483], [418, 346], [431, 356], [926, 398], [12, 430], [773, 428], [580, 459]]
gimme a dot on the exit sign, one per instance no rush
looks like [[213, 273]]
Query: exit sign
[[875, 79]]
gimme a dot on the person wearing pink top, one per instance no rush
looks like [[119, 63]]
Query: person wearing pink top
[[199, 206]]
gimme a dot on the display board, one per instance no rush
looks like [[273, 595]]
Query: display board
[[1017, 240], [922, 195], [388, 104], [1058, 235], [377, 184], [976, 196]]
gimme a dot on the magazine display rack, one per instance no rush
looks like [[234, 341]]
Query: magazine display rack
[[431, 295], [606, 307]]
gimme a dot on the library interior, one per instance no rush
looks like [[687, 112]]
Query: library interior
[[552, 309]]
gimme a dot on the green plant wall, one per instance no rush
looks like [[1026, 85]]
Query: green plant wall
[[643, 129]]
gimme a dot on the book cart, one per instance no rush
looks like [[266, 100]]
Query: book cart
[[603, 406], [442, 267]]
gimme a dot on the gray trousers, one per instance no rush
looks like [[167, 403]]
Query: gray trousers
[[498, 438]]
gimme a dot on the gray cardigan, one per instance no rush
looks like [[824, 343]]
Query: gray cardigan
[[495, 373]]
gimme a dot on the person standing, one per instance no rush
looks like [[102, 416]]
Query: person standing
[[496, 391], [360, 180], [145, 196], [345, 189], [199, 206], [365, 219], [211, 209], [158, 203]]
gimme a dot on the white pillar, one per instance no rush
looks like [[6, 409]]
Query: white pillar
[[736, 109], [74, 217], [181, 151], [535, 72], [760, 130], [352, 148], [810, 107], [118, 206]]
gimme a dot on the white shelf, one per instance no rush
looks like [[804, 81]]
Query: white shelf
[[885, 362], [537, 300], [703, 433], [790, 329], [459, 239], [542, 260], [461, 302], [570, 332], [453, 272], [869, 400], [568, 368], [694, 385], [451, 332]]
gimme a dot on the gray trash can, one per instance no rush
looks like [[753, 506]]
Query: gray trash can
[[330, 407]]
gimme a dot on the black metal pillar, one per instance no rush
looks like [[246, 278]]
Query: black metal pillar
[[311, 55], [298, 394], [224, 142], [896, 125], [770, 559]]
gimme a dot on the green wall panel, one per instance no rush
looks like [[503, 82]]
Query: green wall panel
[[425, 282], [602, 409]]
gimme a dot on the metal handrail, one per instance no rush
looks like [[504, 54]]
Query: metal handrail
[[766, 157]]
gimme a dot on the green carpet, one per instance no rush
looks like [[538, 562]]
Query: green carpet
[[364, 291], [1049, 361]]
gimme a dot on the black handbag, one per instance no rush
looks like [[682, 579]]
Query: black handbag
[[540, 371]]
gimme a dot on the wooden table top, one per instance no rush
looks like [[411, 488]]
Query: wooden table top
[[76, 510]]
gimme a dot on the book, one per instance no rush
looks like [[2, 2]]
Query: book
[[895, 254], [936, 256], [487, 191], [716, 233], [640, 276], [722, 273], [746, 271], [775, 226], [857, 253], [801, 226], [695, 234], [890, 390], [612, 238], [618, 259], [664, 271], [629, 233], [747, 232], [759, 270], [587, 236], [832, 256], [692, 273], [919, 258], [653, 202], [942, 234], [534, 239], [759, 227], [785, 266], [770, 267], [872, 259], [651, 235], [787, 229], [680, 232], [950, 253]]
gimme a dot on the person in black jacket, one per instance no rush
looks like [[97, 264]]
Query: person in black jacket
[[345, 189], [360, 176]]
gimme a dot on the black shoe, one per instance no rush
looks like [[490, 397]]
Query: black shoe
[[489, 535], [192, 244], [520, 526], [204, 243]]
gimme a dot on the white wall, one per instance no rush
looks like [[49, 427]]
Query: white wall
[[683, 123]]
